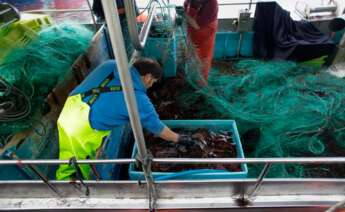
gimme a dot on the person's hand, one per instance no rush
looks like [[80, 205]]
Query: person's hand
[[184, 143], [184, 138], [187, 144]]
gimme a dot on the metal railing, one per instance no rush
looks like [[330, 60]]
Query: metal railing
[[138, 40], [306, 160], [244, 198]]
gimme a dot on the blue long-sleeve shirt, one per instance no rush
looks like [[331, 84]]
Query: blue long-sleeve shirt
[[110, 110]]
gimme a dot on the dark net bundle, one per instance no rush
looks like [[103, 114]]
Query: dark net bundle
[[28, 74]]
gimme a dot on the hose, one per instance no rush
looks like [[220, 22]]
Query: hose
[[15, 105], [189, 172]]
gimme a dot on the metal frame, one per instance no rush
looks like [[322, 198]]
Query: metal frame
[[208, 193], [235, 193], [173, 194]]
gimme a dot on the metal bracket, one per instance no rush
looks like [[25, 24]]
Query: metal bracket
[[246, 199], [138, 40], [334, 208], [73, 162], [146, 163], [35, 170], [95, 172]]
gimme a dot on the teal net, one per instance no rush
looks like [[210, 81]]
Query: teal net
[[28, 74], [282, 109]]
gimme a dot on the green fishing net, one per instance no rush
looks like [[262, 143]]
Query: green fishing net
[[28, 74], [282, 109]]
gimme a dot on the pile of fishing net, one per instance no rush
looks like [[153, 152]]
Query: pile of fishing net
[[28, 74], [283, 109]]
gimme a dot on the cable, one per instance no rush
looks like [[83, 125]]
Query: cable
[[15, 104], [190, 173]]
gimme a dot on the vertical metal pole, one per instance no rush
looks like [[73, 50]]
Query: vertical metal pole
[[114, 26], [115, 31]]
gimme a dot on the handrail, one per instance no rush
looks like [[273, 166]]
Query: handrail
[[306, 160], [245, 198], [309, 160], [138, 40]]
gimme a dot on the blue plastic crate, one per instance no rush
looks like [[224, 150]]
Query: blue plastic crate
[[226, 44], [231, 44], [247, 45], [219, 48], [228, 125], [157, 48]]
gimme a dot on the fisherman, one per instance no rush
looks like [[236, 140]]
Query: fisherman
[[97, 106], [202, 20]]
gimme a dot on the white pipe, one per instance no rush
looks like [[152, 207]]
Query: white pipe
[[307, 160]]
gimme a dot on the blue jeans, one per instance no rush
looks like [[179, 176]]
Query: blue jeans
[[118, 144]]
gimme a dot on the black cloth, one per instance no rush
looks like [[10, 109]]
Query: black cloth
[[98, 9], [277, 36]]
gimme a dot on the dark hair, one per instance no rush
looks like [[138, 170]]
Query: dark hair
[[148, 66]]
